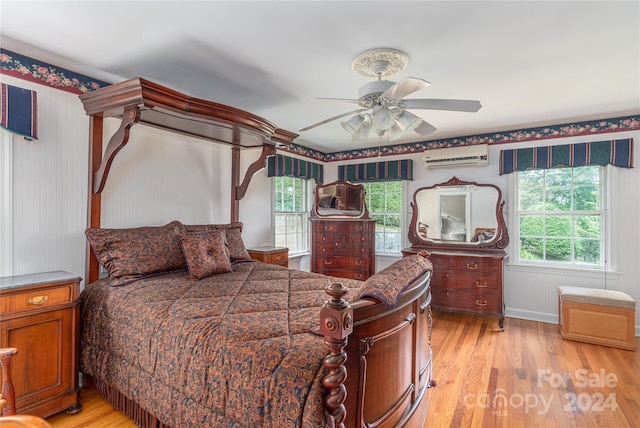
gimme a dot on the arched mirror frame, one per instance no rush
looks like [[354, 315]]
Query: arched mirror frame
[[499, 241]]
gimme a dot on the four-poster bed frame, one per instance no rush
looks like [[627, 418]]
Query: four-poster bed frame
[[376, 397]]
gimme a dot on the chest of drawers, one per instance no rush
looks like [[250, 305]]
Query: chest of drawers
[[40, 318], [468, 281], [343, 247]]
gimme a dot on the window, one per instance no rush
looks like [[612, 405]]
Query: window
[[560, 216], [291, 214], [384, 201]]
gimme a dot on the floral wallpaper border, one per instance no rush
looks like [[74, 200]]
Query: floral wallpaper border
[[30, 69]]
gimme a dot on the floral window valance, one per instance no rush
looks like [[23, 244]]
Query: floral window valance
[[19, 111], [615, 152], [377, 171], [285, 166]]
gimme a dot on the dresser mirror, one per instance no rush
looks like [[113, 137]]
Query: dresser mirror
[[340, 199], [458, 214]]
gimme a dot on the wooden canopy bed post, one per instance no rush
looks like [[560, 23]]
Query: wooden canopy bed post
[[94, 200], [336, 324]]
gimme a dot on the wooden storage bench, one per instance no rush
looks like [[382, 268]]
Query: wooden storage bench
[[602, 317]]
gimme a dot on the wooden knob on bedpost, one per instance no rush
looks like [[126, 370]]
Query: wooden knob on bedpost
[[336, 324]]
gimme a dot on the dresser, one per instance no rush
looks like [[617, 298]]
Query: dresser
[[343, 236], [270, 255], [40, 318], [343, 247], [467, 281], [461, 224]]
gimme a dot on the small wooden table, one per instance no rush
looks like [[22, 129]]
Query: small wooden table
[[270, 254]]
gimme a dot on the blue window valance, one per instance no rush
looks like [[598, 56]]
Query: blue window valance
[[377, 171], [615, 152], [19, 111], [285, 166]]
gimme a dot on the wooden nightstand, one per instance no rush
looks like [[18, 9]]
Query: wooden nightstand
[[272, 255], [40, 316]]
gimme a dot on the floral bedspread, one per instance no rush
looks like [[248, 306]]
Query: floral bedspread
[[229, 350]]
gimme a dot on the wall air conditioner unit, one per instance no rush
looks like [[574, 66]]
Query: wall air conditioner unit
[[477, 155]]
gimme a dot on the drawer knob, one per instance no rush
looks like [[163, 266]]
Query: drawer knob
[[328, 228], [278, 257], [358, 262], [358, 276], [479, 303], [328, 262], [472, 266], [481, 284], [38, 300], [358, 227]]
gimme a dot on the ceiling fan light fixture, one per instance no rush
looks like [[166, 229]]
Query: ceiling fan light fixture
[[353, 125], [384, 102], [383, 118], [395, 132], [363, 133], [408, 121]]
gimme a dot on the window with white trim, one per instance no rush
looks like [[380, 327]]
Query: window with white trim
[[385, 201], [291, 196], [560, 216]]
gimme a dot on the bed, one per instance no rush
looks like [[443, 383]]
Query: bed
[[187, 330]]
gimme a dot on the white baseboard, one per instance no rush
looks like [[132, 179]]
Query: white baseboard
[[532, 316]]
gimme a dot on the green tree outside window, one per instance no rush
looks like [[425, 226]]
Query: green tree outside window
[[385, 202], [560, 215]]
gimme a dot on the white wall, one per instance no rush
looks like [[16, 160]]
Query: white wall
[[48, 182], [159, 177]]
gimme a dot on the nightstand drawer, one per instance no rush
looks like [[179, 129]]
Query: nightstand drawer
[[276, 258], [41, 298], [271, 255]]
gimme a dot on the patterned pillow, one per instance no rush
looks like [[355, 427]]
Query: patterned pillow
[[132, 254], [237, 249], [387, 285], [206, 253]]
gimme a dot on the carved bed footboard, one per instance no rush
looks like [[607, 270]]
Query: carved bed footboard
[[387, 358]]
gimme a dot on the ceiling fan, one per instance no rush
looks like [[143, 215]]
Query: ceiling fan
[[384, 108]]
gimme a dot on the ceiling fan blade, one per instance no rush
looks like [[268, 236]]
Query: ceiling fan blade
[[425, 128], [345, 100], [404, 87], [332, 119], [471, 106]]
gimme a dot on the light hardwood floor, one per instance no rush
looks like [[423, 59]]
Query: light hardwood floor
[[526, 376]]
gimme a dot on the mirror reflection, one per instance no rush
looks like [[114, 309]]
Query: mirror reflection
[[458, 213], [339, 199]]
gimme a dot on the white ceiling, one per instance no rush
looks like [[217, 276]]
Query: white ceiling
[[529, 63]]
